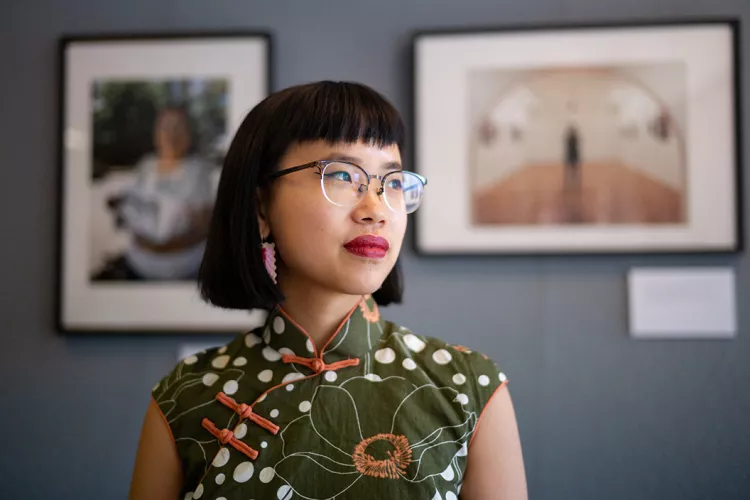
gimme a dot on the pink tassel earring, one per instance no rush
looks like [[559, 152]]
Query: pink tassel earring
[[268, 251]]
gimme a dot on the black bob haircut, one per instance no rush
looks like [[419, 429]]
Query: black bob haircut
[[232, 274]]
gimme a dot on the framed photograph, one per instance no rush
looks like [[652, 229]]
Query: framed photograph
[[580, 139], [145, 122]]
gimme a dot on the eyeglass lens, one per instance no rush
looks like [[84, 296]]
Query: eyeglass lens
[[345, 184]]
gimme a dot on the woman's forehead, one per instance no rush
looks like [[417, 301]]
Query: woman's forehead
[[356, 152]]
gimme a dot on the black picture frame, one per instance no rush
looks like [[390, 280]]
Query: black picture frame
[[443, 61], [204, 82]]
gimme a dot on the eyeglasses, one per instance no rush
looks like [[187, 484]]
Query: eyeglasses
[[344, 184]]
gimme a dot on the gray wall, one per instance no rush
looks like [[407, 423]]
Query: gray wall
[[601, 415]]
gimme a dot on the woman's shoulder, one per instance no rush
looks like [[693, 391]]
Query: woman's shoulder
[[470, 371], [146, 163], [196, 165], [193, 375], [441, 352]]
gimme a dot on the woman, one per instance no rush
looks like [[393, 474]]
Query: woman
[[168, 208], [327, 399]]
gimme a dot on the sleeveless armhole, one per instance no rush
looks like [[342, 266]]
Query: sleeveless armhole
[[484, 409], [164, 419], [162, 394], [488, 380]]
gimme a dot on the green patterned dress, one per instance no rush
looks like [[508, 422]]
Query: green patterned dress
[[379, 413]]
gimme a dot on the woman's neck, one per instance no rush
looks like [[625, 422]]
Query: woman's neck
[[166, 165], [319, 312]]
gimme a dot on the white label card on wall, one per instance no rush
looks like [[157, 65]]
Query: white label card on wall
[[679, 303]]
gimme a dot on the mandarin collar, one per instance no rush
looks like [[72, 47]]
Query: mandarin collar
[[358, 334]]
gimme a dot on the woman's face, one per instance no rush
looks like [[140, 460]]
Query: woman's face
[[171, 135], [317, 240]]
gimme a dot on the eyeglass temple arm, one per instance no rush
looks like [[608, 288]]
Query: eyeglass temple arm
[[280, 173], [421, 178]]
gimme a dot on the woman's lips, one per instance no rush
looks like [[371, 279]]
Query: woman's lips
[[372, 247]]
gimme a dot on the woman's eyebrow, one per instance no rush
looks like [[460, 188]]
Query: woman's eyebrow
[[335, 156]]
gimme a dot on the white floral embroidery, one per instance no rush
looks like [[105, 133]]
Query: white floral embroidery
[[314, 446]]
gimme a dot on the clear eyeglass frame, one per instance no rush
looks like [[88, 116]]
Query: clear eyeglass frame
[[407, 188]]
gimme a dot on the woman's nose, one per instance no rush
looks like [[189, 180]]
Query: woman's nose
[[372, 207]]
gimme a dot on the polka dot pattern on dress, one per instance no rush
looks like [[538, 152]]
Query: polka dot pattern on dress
[[222, 349], [240, 431], [413, 342], [251, 340], [385, 356], [266, 475], [462, 398], [442, 357], [284, 493], [278, 325], [230, 387], [271, 354], [448, 473], [397, 361], [220, 362], [243, 472], [210, 379], [191, 360], [198, 491], [221, 458], [502, 377]]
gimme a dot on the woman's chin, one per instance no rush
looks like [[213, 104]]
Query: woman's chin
[[363, 287]]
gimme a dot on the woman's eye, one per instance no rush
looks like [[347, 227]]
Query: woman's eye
[[395, 184], [339, 175]]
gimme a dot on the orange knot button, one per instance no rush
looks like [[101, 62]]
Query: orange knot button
[[317, 366], [244, 410], [225, 435]]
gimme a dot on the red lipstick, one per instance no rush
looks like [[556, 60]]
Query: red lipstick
[[369, 246]]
